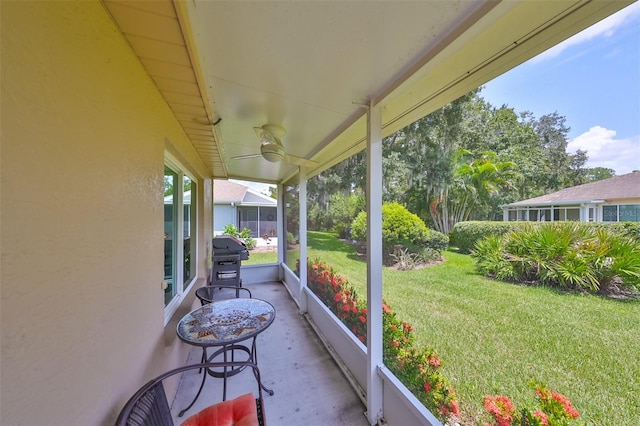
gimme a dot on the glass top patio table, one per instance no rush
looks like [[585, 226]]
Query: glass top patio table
[[226, 322]]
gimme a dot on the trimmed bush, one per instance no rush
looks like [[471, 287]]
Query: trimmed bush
[[399, 227], [465, 235], [632, 229], [436, 240]]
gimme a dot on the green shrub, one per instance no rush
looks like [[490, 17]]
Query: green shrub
[[631, 229], [437, 240], [399, 227], [359, 227], [567, 255], [342, 210], [244, 235], [340, 229], [404, 260], [465, 235], [291, 239]]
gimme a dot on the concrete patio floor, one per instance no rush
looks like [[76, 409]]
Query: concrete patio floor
[[309, 387]]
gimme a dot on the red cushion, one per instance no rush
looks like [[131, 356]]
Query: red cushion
[[241, 411]]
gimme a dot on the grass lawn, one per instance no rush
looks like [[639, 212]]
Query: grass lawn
[[256, 258], [496, 338]]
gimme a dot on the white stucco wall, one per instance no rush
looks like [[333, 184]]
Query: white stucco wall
[[84, 132]]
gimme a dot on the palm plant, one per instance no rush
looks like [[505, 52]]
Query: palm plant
[[476, 182], [565, 255]]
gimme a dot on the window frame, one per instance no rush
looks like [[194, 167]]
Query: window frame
[[178, 280]]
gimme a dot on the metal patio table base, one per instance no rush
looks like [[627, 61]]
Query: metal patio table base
[[225, 324], [227, 371]]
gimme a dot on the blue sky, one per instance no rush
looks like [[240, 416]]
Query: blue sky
[[592, 79]]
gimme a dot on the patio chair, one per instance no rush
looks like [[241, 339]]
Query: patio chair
[[149, 405], [205, 294]]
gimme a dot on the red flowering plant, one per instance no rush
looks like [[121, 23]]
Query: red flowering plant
[[554, 409], [339, 296], [418, 368]]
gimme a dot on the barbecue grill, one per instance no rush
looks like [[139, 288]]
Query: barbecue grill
[[228, 254]]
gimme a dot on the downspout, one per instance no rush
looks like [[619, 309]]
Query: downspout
[[374, 263]]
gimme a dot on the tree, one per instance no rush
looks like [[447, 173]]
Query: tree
[[598, 173], [477, 180], [342, 210], [422, 171], [562, 169], [273, 192], [426, 151]]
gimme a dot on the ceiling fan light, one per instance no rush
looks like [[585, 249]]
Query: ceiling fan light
[[274, 157], [272, 153]]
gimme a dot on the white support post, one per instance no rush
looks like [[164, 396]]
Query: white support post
[[302, 194], [374, 263], [281, 226]]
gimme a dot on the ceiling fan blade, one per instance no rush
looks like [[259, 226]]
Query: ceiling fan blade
[[242, 157], [299, 161]]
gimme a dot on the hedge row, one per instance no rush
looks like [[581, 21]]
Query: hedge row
[[465, 234]]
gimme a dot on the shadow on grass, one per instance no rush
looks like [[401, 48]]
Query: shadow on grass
[[322, 241], [327, 242]]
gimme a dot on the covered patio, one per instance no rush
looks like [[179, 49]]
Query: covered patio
[[309, 387], [109, 106]]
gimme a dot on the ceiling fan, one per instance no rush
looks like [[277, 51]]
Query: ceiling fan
[[271, 148]]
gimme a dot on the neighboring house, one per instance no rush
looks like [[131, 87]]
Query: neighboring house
[[616, 199], [243, 207]]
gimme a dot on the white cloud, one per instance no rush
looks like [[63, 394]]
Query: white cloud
[[604, 28], [604, 150]]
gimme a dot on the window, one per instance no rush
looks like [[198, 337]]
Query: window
[[248, 218], [180, 195], [189, 197], [609, 213], [573, 214], [621, 213], [630, 213], [268, 222]]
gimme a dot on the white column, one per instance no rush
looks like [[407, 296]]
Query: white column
[[302, 194], [374, 263], [281, 226]]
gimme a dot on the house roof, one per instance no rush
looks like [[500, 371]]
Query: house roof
[[225, 192], [615, 188]]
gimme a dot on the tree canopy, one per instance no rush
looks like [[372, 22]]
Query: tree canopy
[[462, 162]]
